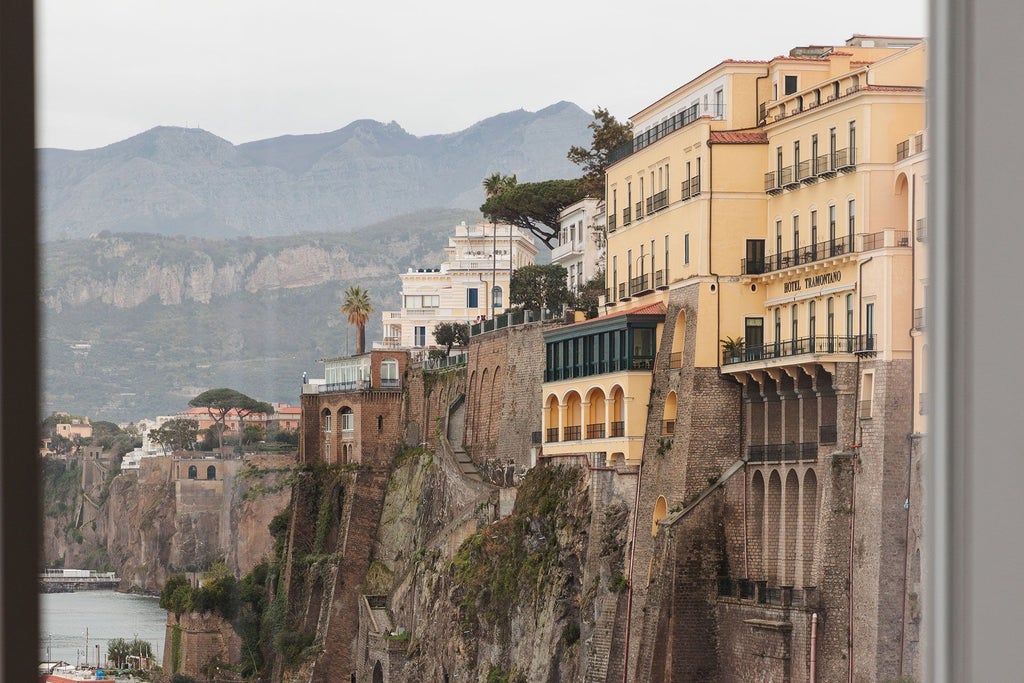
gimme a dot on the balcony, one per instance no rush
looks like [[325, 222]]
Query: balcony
[[691, 187], [795, 257], [771, 184], [639, 210], [782, 452], [627, 216], [618, 429], [622, 292], [611, 222], [661, 279], [657, 202], [337, 387], [683, 118], [805, 173], [788, 177], [909, 147], [640, 285], [390, 383], [859, 344], [595, 431], [568, 249], [821, 166], [845, 160], [551, 436], [572, 433]]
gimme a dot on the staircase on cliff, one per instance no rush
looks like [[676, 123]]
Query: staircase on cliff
[[456, 429]]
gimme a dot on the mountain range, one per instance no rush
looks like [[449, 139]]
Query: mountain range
[[187, 181], [174, 261]]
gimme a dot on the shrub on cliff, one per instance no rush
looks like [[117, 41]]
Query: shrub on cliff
[[176, 595]]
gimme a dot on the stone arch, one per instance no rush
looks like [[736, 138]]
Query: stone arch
[[755, 521], [480, 423], [471, 398], [809, 511], [791, 501], [211, 472], [616, 458], [596, 414], [193, 472], [493, 405], [378, 672], [552, 418], [617, 412], [668, 424], [660, 513], [573, 416], [678, 341], [771, 531]]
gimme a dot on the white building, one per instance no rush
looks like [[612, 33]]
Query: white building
[[581, 242], [472, 281]]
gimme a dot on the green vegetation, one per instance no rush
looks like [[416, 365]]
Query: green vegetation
[[534, 206], [608, 135], [498, 675], [451, 334], [61, 486], [507, 562], [178, 433], [119, 649], [220, 402], [536, 287]]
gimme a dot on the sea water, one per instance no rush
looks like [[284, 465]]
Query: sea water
[[107, 614]]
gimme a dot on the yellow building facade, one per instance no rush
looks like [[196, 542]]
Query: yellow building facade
[[762, 335]]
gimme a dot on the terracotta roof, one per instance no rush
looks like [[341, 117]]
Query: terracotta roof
[[657, 308], [737, 138]]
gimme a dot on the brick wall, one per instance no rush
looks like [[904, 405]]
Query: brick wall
[[205, 639]]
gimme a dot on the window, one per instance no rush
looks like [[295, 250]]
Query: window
[[867, 390], [327, 423], [629, 269], [835, 90], [832, 143], [753, 329], [814, 153], [811, 320], [831, 222], [794, 329], [796, 152], [615, 276], [496, 296], [849, 315], [796, 232], [422, 301], [193, 473], [419, 336], [389, 372], [869, 325], [814, 227], [790, 85], [852, 209], [778, 166], [778, 238], [686, 249], [348, 421], [778, 327], [719, 103], [472, 298], [853, 141], [666, 260]]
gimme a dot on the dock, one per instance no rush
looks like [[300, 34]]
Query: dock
[[71, 580]]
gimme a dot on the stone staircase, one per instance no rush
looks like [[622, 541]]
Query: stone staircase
[[601, 644], [456, 429]]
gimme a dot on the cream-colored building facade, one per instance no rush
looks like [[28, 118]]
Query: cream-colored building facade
[[581, 242], [471, 282], [763, 319]]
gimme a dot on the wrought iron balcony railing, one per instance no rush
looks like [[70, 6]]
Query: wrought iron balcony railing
[[691, 187], [611, 222], [639, 210], [864, 343], [639, 284], [627, 216], [795, 257], [782, 452], [657, 201]]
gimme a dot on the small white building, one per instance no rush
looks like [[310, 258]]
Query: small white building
[[472, 282], [581, 242]]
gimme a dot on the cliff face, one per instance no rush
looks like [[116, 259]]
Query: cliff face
[[149, 523]]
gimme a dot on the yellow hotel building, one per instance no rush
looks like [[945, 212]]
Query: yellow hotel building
[[760, 336]]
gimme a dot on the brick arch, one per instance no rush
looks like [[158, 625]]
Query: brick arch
[[551, 416], [470, 408], [660, 513], [791, 501], [573, 410], [480, 423], [772, 537], [617, 407], [755, 524], [492, 406], [809, 513]]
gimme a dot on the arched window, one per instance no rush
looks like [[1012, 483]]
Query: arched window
[[211, 472], [572, 431], [551, 419], [668, 425], [347, 418], [678, 341], [596, 414], [193, 473], [660, 513]]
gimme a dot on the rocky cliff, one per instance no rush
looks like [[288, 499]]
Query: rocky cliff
[[150, 523]]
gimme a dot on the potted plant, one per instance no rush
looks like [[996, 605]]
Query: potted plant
[[733, 348]]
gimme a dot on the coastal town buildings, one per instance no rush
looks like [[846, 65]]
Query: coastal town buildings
[[758, 354], [581, 242], [471, 283]]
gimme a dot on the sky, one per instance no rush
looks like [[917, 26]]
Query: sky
[[109, 69]]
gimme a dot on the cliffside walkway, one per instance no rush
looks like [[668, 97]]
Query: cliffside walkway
[[456, 428]]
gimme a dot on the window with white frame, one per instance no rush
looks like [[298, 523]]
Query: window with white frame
[[348, 420]]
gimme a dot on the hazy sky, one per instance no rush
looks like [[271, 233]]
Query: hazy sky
[[109, 69]]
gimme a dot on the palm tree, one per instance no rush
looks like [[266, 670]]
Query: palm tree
[[496, 183], [358, 308]]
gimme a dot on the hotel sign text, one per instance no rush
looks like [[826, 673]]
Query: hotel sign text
[[813, 281]]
